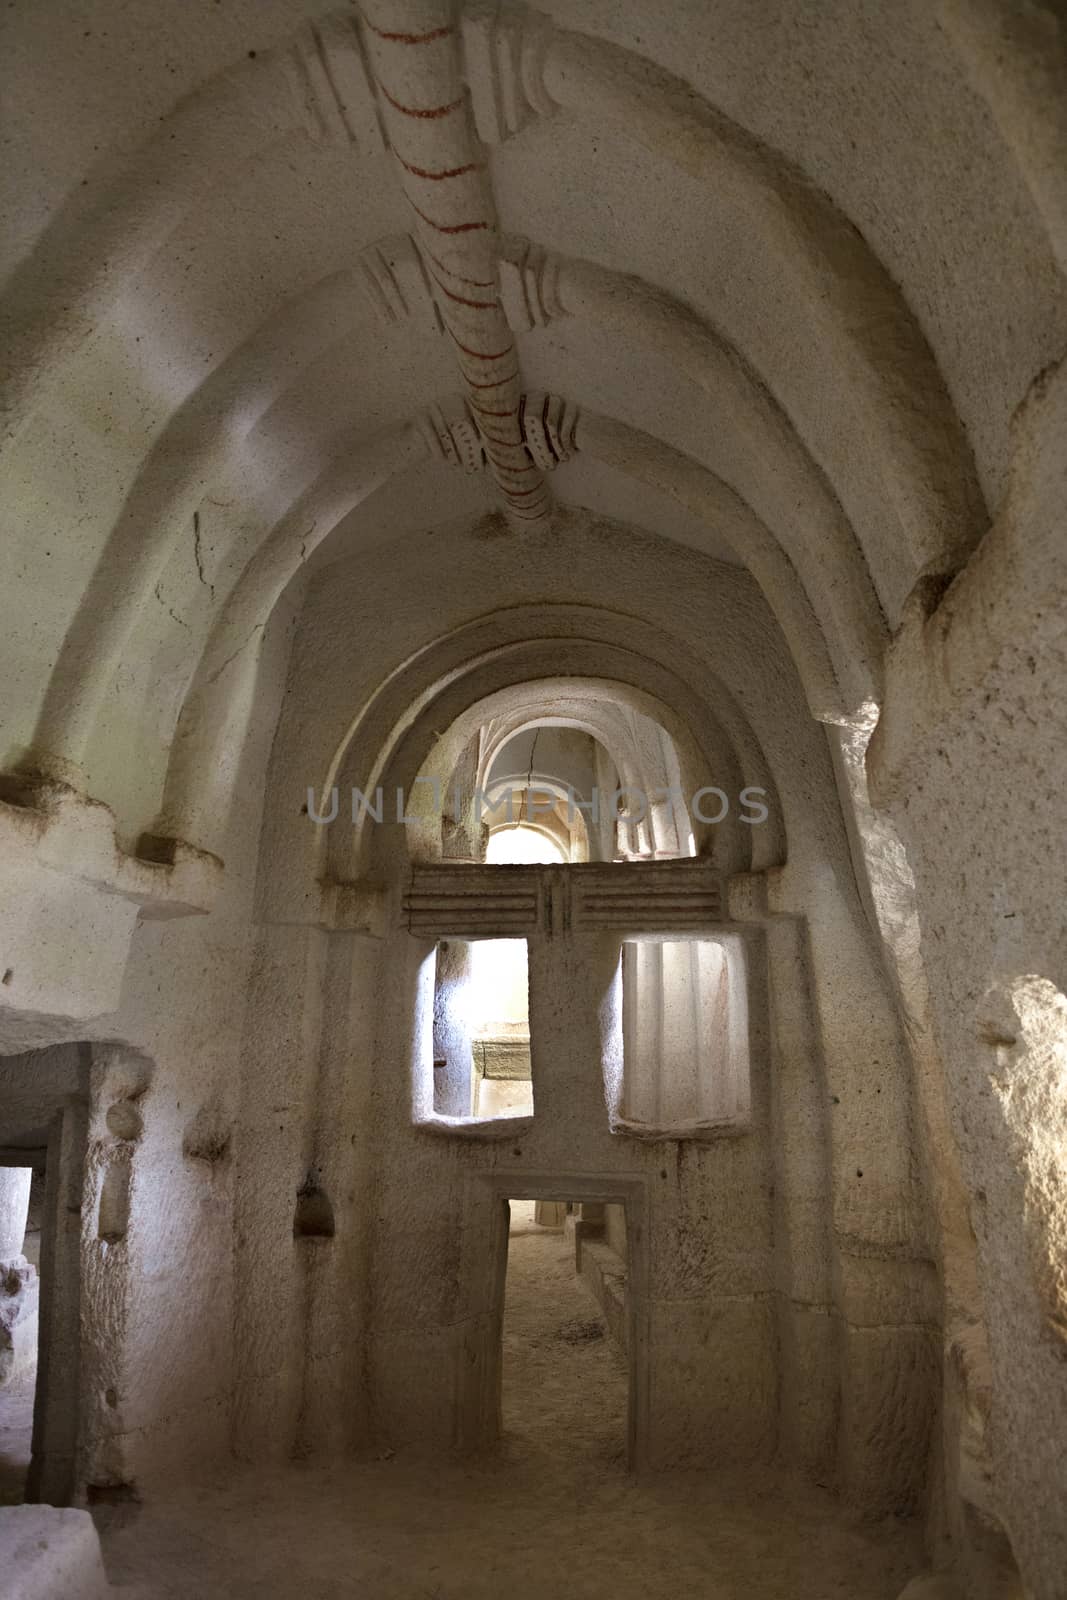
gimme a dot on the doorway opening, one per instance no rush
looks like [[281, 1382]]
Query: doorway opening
[[44, 1140], [565, 1375], [21, 1202]]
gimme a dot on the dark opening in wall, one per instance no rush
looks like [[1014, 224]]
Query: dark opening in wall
[[44, 1119], [313, 1218], [114, 1215], [207, 1137], [112, 1494]]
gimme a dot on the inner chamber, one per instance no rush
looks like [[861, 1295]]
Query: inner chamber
[[502, 717]]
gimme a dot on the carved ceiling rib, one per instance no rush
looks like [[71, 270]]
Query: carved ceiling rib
[[413, 49], [520, 67], [536, 287], [435, 78], [203, 437], [194, 806], [109, 230]]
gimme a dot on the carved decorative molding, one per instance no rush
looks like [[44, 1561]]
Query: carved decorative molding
[[451, 434], [394, 275], [425, 110], [453, 431], [529, 284], [474, 901], [504, 48], [646, 896], [502, 902], [400, 284], [340, 92], [549, 424]]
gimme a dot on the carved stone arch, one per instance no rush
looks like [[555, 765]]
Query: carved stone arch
[[703, 719], [616, 727]]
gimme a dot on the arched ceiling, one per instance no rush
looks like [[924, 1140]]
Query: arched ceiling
[[769, 280]]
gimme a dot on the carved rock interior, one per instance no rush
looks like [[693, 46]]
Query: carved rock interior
[[414, 404]]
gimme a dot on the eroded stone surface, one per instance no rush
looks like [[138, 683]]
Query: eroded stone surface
[[416, 398]]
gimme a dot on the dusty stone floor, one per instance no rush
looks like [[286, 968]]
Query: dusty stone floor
[[16, 1430], [565, 1380], [555, 1514]]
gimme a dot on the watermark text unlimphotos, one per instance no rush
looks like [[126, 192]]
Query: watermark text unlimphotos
[[709, 804]]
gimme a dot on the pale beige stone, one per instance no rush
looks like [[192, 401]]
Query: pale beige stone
[[423, 402]]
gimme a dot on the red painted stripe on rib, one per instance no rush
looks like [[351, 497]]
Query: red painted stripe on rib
[[418, 111], [480, 355], [484, 411], [453, 227], [510, 466], [516, 472], [473, 283], [410, 38], [497, 383], [446, 172], [496, 439], [461, 300], [524, 494]]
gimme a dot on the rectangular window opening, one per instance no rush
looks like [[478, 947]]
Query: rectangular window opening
[[685, 1038], [481, 1031]]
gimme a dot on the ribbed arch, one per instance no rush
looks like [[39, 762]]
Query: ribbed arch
[[697, 711], [314, 88], [645, 757], [103, 236]]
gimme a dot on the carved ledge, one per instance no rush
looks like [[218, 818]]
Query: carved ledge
[[506, 902], [70, 900], [51, 827], [707, 1131], [474, 1127]]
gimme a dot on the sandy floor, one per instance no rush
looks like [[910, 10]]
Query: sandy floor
[[554, 1515], [565, 1381], [16, 1429]]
